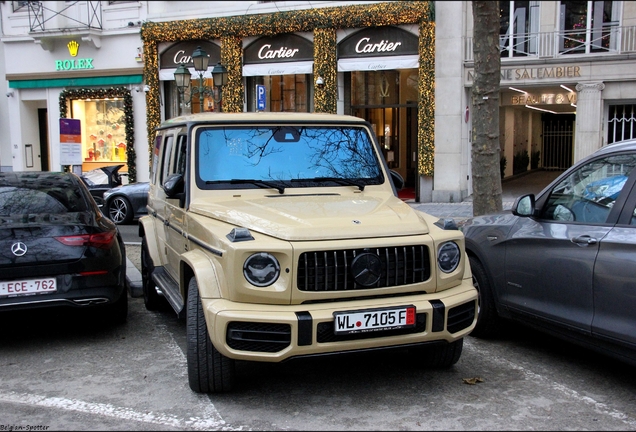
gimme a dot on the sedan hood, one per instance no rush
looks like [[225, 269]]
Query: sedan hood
[[318, 217]]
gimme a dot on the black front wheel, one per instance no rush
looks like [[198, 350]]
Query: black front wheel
[[439, 356], [487, 318], [209, 371], [120, 211]]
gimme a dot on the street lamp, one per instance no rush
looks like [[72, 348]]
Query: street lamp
[[200, 60]]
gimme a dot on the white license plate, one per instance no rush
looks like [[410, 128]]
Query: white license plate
[[371, 320], [30, 286]]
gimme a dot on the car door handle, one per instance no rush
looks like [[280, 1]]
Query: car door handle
[[584, 240]]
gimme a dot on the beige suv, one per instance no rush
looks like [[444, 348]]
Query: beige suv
[[280, 235]]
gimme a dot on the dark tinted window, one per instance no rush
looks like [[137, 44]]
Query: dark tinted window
[[36, 195]]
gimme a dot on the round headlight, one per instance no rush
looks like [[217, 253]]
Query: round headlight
[[261, 269], [448, 257]]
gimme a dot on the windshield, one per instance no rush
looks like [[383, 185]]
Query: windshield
[[285, 156]]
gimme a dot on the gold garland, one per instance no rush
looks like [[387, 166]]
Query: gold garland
[[323, 22]]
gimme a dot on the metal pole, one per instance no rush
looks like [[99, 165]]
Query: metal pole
[[200, 92]]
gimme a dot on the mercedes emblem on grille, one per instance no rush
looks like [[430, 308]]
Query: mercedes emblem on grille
[[367, 269], [18, 248]]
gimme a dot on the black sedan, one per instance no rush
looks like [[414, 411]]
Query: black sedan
[[126, 203], [57, 248], [101, 179], [563, 262]]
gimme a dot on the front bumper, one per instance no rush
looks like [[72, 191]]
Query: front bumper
[[273, 333]]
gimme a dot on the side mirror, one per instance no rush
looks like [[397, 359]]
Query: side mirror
[[398, 180], [524, 206], [174, 185]]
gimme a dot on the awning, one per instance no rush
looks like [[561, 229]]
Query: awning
[[77, 82], [378, 63], [282, 68]]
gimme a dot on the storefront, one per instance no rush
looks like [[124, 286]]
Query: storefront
[[191, 100], [283, 65], [379, 68], [77, 78], [354, 59]]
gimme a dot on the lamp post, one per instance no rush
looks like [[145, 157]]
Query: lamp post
[[200, 60], [219, 75]]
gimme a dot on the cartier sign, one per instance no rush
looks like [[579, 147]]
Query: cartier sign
[[182, 53], [378, 41], [280, 48]]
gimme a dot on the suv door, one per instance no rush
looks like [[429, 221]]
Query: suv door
[[550, 258], [614, 282], [175, 214]]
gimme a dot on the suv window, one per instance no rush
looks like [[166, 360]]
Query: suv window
[[588, 194], [295, 156], [165, 170]]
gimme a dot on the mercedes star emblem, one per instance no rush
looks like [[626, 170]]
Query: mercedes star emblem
[[18, 249], [367, 269]]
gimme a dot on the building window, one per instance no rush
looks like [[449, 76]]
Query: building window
[[21, 6], [621, 124], [519, 27], [587, 26]]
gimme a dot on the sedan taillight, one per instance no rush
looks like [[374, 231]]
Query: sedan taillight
[[102, 240]]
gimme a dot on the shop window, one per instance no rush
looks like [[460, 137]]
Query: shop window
[[621, 124], [103, 128], [285, 93]]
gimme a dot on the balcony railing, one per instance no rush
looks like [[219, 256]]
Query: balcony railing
[[76, 15], [608, 39]]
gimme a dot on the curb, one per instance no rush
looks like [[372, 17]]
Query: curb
[[133, 280]]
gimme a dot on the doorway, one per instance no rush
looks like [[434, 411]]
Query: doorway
[[43, 130], [558, 140]]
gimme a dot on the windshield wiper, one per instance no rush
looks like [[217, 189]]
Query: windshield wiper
[[261, 184], [341, 181]]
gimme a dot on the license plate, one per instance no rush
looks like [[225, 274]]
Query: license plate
[[30, 286], [371, 320]]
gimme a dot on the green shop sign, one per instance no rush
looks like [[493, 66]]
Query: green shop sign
[[64, 65]]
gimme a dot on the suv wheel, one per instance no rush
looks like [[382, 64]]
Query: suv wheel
[[209, 371], [120, 210], [487, 319], [152, 300], [441, 356]]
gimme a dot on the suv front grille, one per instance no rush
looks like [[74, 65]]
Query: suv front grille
[[331, 270]]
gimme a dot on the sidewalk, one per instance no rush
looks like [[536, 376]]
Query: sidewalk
[[532, 182]]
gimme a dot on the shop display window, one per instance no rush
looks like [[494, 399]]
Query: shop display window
[[103, 126], [285, 93]]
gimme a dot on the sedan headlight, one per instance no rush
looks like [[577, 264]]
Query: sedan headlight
[[448, 257], [261, 269]]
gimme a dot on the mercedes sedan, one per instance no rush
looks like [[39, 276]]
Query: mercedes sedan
[[57, 248], [563, 262]]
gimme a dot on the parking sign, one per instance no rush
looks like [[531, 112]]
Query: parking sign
[[260, 97]]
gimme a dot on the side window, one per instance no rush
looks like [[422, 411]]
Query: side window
[[180, 155], [588, 194], [165, 160], [155, 158]]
